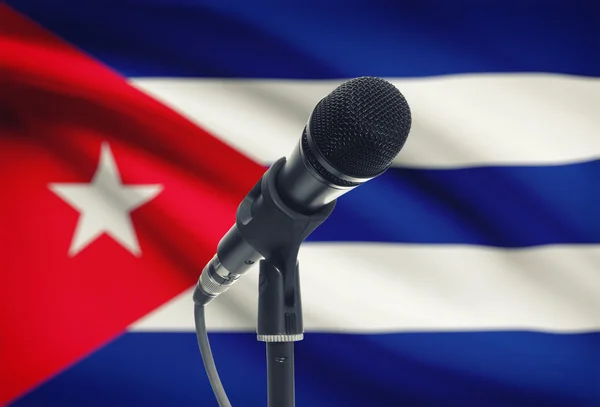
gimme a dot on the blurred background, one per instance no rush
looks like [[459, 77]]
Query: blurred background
[[467, 275]]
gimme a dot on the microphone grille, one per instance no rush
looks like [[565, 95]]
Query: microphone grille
[[361, 126]]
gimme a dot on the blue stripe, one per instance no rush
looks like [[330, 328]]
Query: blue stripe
[[312, 39], [430, 369], [493, 206]]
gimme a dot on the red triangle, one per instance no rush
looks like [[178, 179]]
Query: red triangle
[[57, 106]]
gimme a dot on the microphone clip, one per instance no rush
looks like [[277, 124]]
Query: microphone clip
[[276, 231]]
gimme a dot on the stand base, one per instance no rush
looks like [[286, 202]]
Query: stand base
[[280, 373]]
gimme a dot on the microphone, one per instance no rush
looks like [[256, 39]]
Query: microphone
[[351, 137]]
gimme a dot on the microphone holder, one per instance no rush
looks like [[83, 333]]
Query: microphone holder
[[276, 231]]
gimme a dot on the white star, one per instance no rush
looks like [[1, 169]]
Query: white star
[[104, 205]]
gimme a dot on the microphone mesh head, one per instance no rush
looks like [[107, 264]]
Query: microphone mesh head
[[361, 126]]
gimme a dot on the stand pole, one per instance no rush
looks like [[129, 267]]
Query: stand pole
[[280, 373]]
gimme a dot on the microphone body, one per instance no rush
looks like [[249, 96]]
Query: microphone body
[[266, 227], [301, 187], [351, 137]]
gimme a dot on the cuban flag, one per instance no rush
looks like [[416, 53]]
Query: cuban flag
[[466, 275]]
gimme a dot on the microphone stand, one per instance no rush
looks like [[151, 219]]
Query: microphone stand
[[276, 231]]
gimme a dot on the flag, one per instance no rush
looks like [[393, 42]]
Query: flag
[[466, 275]]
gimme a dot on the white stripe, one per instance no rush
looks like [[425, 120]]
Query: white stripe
[[389, 288], [465, 120]]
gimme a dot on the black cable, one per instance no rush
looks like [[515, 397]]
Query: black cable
[[207, 357]]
